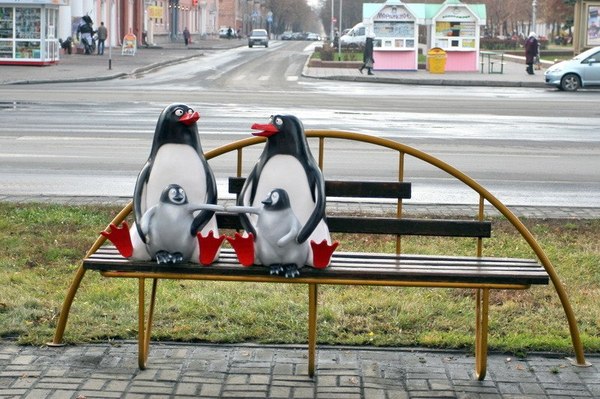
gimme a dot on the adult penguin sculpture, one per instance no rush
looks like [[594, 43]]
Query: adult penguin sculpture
[[276, 230], [287, 163], [176, 157]]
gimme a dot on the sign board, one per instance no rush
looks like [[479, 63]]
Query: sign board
[[129, 44], [593, 25], [155, 12]]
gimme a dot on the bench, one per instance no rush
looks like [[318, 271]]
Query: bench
[[491, 61], [482, 274]]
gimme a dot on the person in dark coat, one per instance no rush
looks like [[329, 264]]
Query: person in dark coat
[[368, 59], [186, 36], [531, 52]]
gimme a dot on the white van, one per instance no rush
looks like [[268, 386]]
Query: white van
[[356, 37]]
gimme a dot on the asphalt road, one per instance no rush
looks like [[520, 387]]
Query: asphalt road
[[529, 146]]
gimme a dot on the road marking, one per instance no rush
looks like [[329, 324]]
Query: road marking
[[291, 78], [264, 77]]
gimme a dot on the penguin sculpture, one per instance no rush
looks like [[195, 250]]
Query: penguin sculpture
[[287, 163], [166, 226], [276, 230], [176, 157]]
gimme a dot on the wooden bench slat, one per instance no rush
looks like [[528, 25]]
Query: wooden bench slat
[[386, 267], [349, 189], [377, 225]]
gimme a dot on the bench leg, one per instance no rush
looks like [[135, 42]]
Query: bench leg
[[481, 332], [312, 327], [145, 327], [66, 308]]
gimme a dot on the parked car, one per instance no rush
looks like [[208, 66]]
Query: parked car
[[258, 37], [223, 33], [312, 36], [355, 37], [583, 70], [286, 35]]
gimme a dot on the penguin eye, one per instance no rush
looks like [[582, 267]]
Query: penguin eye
[[275, 197], [178, 112], [172, 193], [190, 111], [278, 121], [181, 192]]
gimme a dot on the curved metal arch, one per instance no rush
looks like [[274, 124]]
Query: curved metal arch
[[484, 193]]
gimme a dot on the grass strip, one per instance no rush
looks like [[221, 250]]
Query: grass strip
[[42, 245]]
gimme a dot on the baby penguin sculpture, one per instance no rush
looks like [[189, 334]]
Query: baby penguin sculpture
[[276, 230], [166, 226]]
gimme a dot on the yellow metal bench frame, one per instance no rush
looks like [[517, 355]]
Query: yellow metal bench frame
[[482, 290]]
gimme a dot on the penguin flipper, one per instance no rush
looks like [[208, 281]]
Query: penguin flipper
[[211, 199], [316, 216], [139, 194], [245, 199], [144, 225]]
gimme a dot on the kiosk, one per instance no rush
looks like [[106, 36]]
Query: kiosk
[[28, 32], [396, 28], [455, 29]]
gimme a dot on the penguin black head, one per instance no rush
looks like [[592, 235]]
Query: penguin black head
[[174, 194], [277, 200], [284, 133], [177, 125]]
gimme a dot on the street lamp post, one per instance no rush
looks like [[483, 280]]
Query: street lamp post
[[533, 15]]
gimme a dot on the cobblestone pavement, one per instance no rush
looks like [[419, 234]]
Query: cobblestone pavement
[[254, 371]]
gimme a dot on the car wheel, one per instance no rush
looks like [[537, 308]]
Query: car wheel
[[250, 45], [570, 82]]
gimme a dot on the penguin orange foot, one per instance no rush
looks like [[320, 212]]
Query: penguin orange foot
[[322, 253], [209, 246], [121, 239], [243, 247]]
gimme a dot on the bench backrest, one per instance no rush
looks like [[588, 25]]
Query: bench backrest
[[376, 225]]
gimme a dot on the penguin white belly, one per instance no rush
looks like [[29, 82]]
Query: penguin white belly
[[176, 164], [286, 172]]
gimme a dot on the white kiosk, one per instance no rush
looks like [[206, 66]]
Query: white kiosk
[[396, 29], [455, 29], [28, 32]]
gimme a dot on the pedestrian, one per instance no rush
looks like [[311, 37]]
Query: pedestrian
[[531, 52], [229, 32], [368, 59], [102, 35], [186, 36]]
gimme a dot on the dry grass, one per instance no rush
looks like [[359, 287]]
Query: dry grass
[[43, 244]]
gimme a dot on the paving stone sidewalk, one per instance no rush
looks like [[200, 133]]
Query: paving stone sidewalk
[[253, 371]]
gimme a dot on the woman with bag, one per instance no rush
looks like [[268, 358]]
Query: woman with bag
[[368, 60]]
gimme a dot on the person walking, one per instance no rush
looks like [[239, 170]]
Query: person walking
[[368, 60], [102, 36], [186, 36], [531, 51]]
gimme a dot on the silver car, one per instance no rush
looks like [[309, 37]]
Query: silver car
[[582, 70], [258, 37]]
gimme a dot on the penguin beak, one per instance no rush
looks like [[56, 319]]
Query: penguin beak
[[267, 129], [267, 201], [189, 119]]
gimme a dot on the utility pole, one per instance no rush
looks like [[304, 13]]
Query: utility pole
[[533, 15]]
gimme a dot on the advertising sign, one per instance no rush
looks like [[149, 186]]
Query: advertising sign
[[129, 44], [155, 12], [593, 26]]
